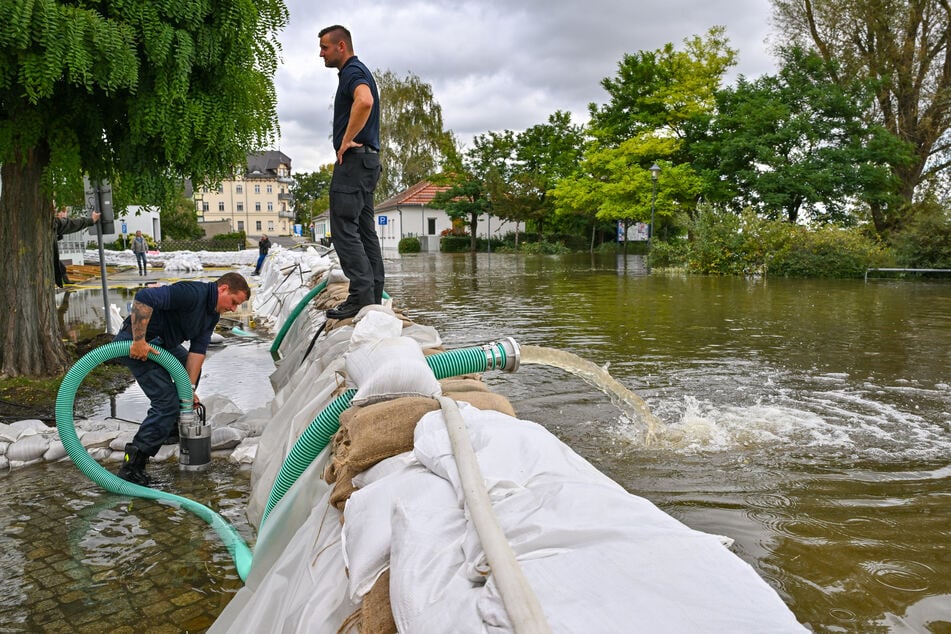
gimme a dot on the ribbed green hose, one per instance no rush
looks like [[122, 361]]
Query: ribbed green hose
[[301, 305], [65, 425], [320, 431]]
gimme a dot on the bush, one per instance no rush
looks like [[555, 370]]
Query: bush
[[926, 242], [454, 244], [409, 245], [727, 244], [544, 248]]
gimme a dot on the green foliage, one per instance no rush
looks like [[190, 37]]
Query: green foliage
[[413, 142], [409, 245], [544, 248], [665, 89], [454, 244], [797, 144], [727, 244], [925, 243], [235, 238], [143, 94], [902, 48], [311, 192], [123, 244], [180, 221]]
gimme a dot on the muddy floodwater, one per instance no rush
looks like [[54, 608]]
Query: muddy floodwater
[[809, 420]]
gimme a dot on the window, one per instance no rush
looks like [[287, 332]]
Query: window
[[221, 206], [257, 206], [270, 206], [240, 207], [241, 225], [270, 188], [221, 189], [204, 206], [270, 225], [257, 225], [239, 188], [257, 189], [431, 229]]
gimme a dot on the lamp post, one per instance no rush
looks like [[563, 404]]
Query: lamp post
[[655, 171]]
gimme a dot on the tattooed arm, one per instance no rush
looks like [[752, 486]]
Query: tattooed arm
[[141, 315]]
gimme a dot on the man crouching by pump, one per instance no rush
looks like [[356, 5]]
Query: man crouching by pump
[[167, 316]]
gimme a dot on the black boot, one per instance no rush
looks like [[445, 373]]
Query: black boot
[[133, 466]]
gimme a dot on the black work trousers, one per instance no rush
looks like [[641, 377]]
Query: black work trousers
[[353, 226]]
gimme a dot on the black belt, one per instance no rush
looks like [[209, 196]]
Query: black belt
[[364, 149]]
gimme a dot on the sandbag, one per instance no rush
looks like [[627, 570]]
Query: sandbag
[[28, 448]]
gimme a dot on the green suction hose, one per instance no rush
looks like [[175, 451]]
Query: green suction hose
[[301, 305], [502, 355], [65, 425]]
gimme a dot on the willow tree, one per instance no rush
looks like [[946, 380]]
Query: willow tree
[[142, 93], [902, 45], [414, 144]]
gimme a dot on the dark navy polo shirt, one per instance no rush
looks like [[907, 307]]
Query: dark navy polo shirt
[[354, 73], [183, 311]]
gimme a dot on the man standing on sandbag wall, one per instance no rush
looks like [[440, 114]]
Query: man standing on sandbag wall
[[356, 138]]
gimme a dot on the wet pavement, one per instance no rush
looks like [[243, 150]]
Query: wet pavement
[[74, 558]]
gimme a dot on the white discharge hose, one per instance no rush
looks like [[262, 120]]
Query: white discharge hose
[[520, 601]]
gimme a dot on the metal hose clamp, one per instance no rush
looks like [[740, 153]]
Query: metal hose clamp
[[502, 355]]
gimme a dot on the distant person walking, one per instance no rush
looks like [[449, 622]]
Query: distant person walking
[[264, 245], [62, 225], [356, 138], [139, 247]]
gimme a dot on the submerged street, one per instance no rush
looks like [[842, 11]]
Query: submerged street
[[806, 419]]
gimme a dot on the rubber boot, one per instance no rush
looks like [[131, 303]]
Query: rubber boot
[[133, 466]]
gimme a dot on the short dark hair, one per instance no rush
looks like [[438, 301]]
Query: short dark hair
[[340, 33], [236, 282]]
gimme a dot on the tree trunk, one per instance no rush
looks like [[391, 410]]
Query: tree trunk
[[30, 341], [473, 227]]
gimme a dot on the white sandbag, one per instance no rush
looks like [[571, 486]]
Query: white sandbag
[[390, 368], [100, 453], [29, 427], [28, 448], [56, 451], [19, 464], [374, 326], [367, 532], [221, 410], [226, 437], [581, 540], [244, 453], [3, 447], [429, 539], [166, 452], [8, 433], [98, 438], [119, 442], [4, 463]]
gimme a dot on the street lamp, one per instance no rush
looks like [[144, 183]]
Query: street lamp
[[655, 171]]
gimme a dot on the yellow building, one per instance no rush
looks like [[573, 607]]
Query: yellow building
[[258, 201]]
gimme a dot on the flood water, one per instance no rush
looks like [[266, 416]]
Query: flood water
[[809, 420]]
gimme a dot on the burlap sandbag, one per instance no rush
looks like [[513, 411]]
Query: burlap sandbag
[[484, 400], [343, 487], [377, 612], [382, 430], [457, 384]]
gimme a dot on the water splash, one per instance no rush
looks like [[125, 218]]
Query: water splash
[[629, 402]]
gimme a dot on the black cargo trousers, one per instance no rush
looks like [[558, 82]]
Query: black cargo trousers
[[353, 225]]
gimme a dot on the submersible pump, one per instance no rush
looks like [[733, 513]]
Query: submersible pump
[[194, 444]]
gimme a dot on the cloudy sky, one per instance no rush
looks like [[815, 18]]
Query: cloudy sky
[[494, 64]]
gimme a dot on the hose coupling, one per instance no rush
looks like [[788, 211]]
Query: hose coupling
[[502, 355]]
